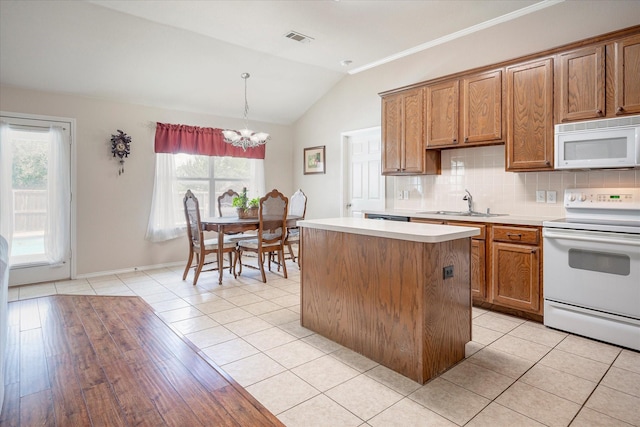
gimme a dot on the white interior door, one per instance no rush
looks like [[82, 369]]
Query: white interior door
[[365, 185], [35, 197]]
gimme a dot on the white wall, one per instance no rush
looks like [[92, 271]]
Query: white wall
[[354, 104], [112, 210]]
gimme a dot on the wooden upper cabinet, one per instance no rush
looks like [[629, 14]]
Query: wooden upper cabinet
[[529, 144], [627, 76], [404, 150], [481, 113], [441, 114], [414, 147], [464, 111], [592, 78], [582, 84], [391, 133]]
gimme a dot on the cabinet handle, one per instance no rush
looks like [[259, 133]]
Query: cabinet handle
[[547, 163], [514, 236], [619, 110], [466, 139], [599, 113], [455, 141]]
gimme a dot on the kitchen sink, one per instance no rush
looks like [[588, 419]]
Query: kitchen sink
[[462, 213]]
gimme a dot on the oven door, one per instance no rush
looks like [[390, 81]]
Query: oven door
[[593, 270]]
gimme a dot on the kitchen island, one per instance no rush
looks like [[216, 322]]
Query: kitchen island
[[379, 288]]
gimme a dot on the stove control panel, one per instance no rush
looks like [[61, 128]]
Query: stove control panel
[[602, 198]]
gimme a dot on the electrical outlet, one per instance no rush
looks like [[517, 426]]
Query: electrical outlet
[[399, 195], [551, 196], [447, 272], [405, 194], [541, 196]]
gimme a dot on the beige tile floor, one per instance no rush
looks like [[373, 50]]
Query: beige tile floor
[[517, 372]]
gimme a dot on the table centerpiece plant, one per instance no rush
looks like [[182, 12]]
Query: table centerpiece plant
[[246, 208]]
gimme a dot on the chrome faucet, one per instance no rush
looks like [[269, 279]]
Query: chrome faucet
[[469, 198]]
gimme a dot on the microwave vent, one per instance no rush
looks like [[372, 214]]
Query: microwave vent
[[600, 124]]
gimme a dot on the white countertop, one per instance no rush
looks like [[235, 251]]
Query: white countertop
[[412, 231], [502, 219]]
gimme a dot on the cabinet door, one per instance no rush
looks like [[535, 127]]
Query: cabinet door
[[582, 84], [529, 143], [478, 269], [515, 276], [391, 134], [442, 113], [627, 75], [413, 147], [482, 108]]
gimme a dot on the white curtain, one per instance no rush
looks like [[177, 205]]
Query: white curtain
[[6, 193], [56, 231], [162, 219], [258, 174]]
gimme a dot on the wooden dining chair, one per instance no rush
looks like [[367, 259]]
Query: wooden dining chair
[[297, 207], [225, 203], [198, 246], [272, 230]]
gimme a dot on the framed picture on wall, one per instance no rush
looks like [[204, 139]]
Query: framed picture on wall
[[314, 161]]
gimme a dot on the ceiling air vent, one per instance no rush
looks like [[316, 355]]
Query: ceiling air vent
[[298, 37]]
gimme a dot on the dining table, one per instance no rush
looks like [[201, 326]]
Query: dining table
[[232, 225]]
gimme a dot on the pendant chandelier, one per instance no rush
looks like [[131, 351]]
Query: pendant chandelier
[[245, 138]]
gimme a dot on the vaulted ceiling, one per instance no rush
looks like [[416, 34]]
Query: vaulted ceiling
[[189, 55]]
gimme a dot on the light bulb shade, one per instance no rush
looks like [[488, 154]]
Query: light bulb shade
[[245, 138], [260, 137], [231, 136]]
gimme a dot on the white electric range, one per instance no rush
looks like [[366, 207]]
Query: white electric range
[[592, 266]]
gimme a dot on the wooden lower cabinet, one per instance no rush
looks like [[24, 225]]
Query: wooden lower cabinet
[[506, 267], [516, 268], [478, 255], [478, 269]]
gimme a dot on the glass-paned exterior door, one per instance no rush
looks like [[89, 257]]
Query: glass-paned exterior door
[[35, 198]]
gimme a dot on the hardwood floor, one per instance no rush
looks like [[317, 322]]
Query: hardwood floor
[[110, 361]]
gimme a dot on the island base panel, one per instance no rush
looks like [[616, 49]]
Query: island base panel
[[388, 299]]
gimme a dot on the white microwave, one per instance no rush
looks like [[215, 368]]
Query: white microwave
[[598, 144]]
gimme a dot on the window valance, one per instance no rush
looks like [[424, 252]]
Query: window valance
[[186, 139]]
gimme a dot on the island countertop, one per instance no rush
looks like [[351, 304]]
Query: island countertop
[[410, 231]]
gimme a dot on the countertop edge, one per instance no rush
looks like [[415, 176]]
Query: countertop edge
[[410, 231], [503, 219]]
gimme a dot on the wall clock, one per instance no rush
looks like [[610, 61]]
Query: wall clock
[[121, 147]]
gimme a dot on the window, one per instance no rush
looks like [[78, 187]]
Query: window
[[207, 177]]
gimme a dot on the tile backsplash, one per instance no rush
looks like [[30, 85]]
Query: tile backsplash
[[481, 171]]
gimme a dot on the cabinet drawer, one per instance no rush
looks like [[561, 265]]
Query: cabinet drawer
[[516, 234], [481, 226]]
